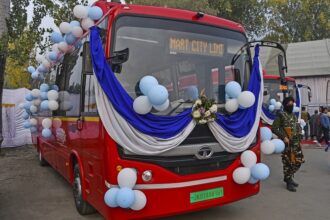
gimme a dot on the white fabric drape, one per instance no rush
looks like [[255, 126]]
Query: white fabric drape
[[234, 144], [130, 138]]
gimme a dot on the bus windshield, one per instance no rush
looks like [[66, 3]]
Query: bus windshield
[[186, 58], [272, 90]]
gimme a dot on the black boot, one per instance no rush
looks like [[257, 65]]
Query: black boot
[[290, 187], [294, 183]]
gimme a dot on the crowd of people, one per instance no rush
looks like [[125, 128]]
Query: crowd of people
[[317, 126]]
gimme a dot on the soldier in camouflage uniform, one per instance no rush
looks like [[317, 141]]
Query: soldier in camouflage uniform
[[286, 127]]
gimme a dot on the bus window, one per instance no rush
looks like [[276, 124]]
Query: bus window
[[89, 95]]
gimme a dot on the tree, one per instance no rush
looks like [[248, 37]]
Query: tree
[[250, 13], [193, 5], [298, 20]]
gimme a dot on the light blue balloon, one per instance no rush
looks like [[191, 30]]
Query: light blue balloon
[[43, 96], [253, 180], [271, 108], [125, 197], [53, 56], [56, 37], [44, 105], [54, 87], [266, 134], [27, 124], [26, 115], [31, 69], [35, 75], [44, 87], [157, 95], [29, 97], [95, 13], [233, 89], [192, 92], [27, 106], [146, 83], [75, 23], [279, 145], [260, 171], [33, 129], [272, 101], [42, 69], [110, 197], [46, 132], [70, 38]]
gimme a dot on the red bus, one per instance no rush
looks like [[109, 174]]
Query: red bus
[[84, 153]]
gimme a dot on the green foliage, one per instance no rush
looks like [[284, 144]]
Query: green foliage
[[299, 20]]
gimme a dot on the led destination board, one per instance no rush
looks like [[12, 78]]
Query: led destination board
[[198, 47]]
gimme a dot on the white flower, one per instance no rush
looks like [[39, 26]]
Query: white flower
[[196, 114], [214, 108], [207, 113], [210, 120], [198, 102], [202, 121]]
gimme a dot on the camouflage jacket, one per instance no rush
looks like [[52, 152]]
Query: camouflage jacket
[[283, 120]]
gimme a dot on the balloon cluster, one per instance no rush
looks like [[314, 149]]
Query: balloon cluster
[[125, 196], [235, 98], [42, 99], [269, 145], [154, 95], [252, 172], [274, 105], [66, 40]]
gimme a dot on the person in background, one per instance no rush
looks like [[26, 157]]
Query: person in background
[[315, 126], [325, 125], [305, 115], [286, 127]]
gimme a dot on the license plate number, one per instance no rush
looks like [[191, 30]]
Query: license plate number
[[206, 195]]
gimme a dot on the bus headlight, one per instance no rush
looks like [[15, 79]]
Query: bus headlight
[[147, 175]]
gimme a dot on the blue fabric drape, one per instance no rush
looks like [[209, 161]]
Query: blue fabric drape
[[268, 114], [240, 123], [157, 126]]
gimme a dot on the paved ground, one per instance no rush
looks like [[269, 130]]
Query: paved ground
[[28, 191]]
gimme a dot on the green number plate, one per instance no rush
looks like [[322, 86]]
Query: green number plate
[[206, 195]]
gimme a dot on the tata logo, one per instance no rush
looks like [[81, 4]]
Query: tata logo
[[204, 153]]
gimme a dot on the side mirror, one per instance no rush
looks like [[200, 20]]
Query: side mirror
[[87, 60], [281, 66], [118, 58]]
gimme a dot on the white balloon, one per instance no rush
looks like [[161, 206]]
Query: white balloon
[[127, 178], [66, 106], [55, 48], [46, 123], [57, 123], [52, 95], [21, 105], [80, 11], [53, 105], [64, 96], [35, 93], [162, 107], [248, 158], [141, 105], [246, 99], [140, 200], [231, 105], [65, 27], [33, 109], [241, 175], [267, 147], [46, 63], [63, 47], [278, 105], [86, 23], [33, 121], [77, 31], [36, 102]]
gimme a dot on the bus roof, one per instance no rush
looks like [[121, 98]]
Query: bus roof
[[170, 13]]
